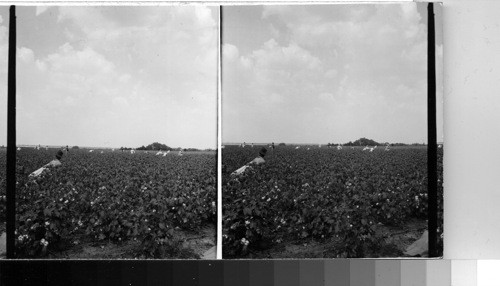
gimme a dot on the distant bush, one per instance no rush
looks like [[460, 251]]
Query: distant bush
[[282, 144], [362, 142], [155, 146], [75, 147]]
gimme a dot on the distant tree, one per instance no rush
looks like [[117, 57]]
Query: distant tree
[[158, 146], [282, 144], [75, 147], [155, 147], [364, 141]]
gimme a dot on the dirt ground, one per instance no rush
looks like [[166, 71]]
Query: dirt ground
[[395, 242], [203, 243], [401, 238], [200, 244], [197, 242]]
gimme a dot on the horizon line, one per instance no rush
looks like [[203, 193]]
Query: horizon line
[[292, 143], [97, 147]]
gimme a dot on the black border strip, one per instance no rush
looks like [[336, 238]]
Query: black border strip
[[218, 175], [431, 133], [11, 136]]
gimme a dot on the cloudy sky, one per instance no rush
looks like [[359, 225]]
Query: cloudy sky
[[114, 76], [326, 73]]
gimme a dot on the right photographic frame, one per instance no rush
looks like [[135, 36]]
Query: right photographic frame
[[332, 131]]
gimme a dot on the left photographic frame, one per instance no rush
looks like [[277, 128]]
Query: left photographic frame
[[116, 131]]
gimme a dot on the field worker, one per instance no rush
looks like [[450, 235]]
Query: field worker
[[260, 159], [52, 164], [67, 149], [257, 161], [272, 146]]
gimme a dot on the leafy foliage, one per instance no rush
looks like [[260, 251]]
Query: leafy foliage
[[363, 142], [156, 146], [328, 195], [113, 197]]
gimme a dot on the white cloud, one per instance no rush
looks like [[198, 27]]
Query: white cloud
[[326, 96], [246, 62], [120, 101], [204, 17], [25, 55], [84, 65], [42, 66], [362, 64], [183, 40], [230, 52], [331, 73], [124, 78], [70, 101], [275, 98], [273, 10], [4, 47], [287, 59], [41, 9], [123, 68], [276, 70], [439, 51], [67, 77]]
